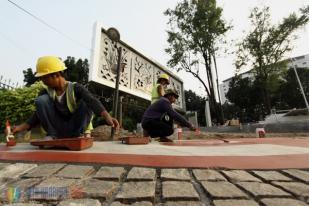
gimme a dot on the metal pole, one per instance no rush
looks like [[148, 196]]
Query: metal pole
[[116, 93], [119, 116], [300, 85], [207, 113]]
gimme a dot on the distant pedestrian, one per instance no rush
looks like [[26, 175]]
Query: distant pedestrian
[[158, 118]]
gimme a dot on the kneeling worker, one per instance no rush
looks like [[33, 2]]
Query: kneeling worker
[[64, 109], [158, 118]]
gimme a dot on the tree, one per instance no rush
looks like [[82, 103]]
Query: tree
[[265, 46], [196, 27], [244, 94], [29, 77], [289, 92], [77, 71], [196, 103]]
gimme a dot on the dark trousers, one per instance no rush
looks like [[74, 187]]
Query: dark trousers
[[158, 128], [56, 125]]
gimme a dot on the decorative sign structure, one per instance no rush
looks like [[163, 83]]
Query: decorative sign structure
[[138, 74]]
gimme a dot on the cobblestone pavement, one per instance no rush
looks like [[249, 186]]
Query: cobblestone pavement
[[95, 185]]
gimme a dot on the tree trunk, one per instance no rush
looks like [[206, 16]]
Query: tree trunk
[[217, 81], [207, 59]]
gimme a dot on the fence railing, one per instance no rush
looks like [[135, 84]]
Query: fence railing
[[8, 84]]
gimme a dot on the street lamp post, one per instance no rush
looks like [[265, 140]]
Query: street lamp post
[[114, 35], [300, 85]]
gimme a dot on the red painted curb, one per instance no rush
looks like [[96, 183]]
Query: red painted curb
[[230, 162]]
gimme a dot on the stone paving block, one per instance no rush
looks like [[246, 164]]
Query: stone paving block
[[258, 189], [141, 203], [297, 188], [24, 183], [4, 181], [175, 174], [15, 170], [110, 173], [23, 204], [3, 165], [183, 203], [75, 171], [54, 188], [272, 176], [98, 188], [58, 182], [142, 174], [240, 176], [179, 190], [22, 187], [235, 202], [44, 170], [300, 174], [282, 202], [222, 190], [137, 190], [80, 202], [208, 175]]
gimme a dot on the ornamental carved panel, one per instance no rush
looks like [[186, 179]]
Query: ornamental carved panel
[[138, 73]]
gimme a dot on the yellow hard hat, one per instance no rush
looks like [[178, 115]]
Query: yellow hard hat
[[49, 64], [164, 76]]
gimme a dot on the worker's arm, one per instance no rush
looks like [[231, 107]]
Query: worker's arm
[[110, 120], [95, 105], [177, 117], [20, 128], [160, 90]]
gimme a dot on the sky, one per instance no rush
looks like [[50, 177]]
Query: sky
[[141, 24]]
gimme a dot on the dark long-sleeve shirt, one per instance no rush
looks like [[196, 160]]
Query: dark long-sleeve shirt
[[81, 93], [156, 110]]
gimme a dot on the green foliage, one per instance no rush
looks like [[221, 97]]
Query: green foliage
[[77, 71], [245, 96], [231, 111], [266, 45], [196, 103], [129, 124], [29, 77], [18, 105], [289, 95]]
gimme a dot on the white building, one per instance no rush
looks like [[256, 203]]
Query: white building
[[300, 61]]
